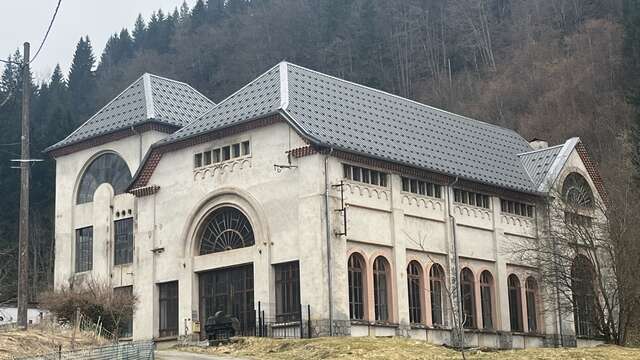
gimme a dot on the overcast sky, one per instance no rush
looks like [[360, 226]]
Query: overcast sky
[[27, 20]]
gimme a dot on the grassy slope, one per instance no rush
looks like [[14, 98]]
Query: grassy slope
[[41, 341], [395, 349]]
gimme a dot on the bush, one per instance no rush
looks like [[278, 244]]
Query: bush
[[96, 301]]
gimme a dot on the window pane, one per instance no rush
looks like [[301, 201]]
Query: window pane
[[226, 153], [246, 149], [168, 306], [84, 249], [207, 158], [236, 150], [123, 242], [287, 292], [198, 160]]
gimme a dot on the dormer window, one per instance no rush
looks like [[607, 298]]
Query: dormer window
[[221, 154]]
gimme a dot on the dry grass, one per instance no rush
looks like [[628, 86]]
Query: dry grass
[[394, 349], [41, 340]]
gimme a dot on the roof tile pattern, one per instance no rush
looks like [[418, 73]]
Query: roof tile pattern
[[260, 97], [351, 117], [174, 103], [359, 119], [538, 163]]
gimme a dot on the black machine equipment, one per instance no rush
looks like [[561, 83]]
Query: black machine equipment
[[221, 328]]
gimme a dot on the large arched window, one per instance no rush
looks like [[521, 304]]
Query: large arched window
[[381, 288], [577, 192], [414, 283], [515, 303], [584, 297], [486, 299], [225, 229], [467, 291], [107, 168], [356, 268], [531, 289], [436, 282]]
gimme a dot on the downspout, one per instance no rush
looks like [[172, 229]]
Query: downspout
[[327, 186], [557, 279], [456, 260]]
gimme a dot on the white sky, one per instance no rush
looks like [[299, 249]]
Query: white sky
[[27, 20]]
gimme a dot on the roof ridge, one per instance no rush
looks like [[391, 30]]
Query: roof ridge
[[561, 158], [148, 97], [539, 150], [181, 83], [99, 111], [466, 118]]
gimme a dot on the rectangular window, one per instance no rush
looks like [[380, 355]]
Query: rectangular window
[[236, 150], [287, 291], [84, 249], [168, 306], [123, 242], [421, 187], [471, 198], [365, 175], [226, 153], [197, 160], [216, 156], [125, 328], [246, 149], [516, 208], [207, 158]]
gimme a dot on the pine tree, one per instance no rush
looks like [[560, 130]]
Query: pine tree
[[82, 81], [139, 32], [198, 14]]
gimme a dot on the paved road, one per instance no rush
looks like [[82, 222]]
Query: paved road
[[180, 355]]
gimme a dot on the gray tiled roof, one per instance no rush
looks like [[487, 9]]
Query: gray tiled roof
[[149, 98], [340, 114], [537, 163]]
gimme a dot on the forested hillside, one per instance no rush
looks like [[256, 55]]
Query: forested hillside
[[550, 69]]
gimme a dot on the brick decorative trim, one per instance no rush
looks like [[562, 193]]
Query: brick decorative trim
[[145, 191], [303, 151], [113, 136], [592, 170], [144, 175]]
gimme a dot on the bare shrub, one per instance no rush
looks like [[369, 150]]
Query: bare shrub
[[95, 300]]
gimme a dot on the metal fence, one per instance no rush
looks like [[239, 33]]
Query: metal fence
[[138, 350], [294, 325]]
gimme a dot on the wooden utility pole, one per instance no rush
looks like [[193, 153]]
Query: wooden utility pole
[[25, 170]]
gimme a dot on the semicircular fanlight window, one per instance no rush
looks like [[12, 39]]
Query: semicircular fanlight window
[[106, 168], [227, 228]]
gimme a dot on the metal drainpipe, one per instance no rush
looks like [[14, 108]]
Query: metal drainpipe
[[456, 260], [557, 280], [328, 234]]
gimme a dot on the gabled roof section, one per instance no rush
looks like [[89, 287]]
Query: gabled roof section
[[337, 113], [544, 165], [150, 98]]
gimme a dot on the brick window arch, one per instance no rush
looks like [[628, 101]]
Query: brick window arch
[[357, 297], [381, 288], [415, 286]]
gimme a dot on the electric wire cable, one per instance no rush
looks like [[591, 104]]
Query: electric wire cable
[[46, 35]]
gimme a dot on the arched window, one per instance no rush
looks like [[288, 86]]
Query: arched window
[[576, 191], [486, 299], [531, 289], [467, 291], [106, 168], [381, 288], [356, 286], [414, 282], [225, 229], [584, 297], [436, 282], [515, 303]]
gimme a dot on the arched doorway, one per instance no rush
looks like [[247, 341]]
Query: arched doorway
[[229, 290]]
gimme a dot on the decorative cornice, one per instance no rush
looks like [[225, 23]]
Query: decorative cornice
[[113, 136], [592, 170], [145, 191]]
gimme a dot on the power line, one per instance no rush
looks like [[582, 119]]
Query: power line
[[53, 18]]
